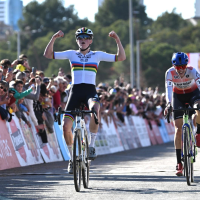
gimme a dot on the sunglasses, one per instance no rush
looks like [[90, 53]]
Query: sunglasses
[[3, 89], [46, 82], [180, 67], [85, 37]]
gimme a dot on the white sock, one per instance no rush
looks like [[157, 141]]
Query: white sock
[[93, 138], [70, 151]]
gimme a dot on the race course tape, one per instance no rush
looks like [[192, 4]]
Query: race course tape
[[23, 146]]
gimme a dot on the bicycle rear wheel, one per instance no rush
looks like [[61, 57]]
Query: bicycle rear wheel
[[192, 172], [187, 161], [86, 169], [77, 160]]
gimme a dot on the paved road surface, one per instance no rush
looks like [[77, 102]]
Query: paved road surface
[[144, 173]]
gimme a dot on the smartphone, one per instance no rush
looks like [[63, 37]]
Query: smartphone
[[34, 70]]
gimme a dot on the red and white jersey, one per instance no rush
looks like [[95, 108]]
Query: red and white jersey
[[187, 84]]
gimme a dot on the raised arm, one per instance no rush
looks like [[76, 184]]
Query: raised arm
[[120, 49], [48, 52]]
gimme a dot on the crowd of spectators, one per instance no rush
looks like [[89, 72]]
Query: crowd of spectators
[[26, 91], [122, 100]]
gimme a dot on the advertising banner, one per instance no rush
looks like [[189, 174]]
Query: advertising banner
[[19, 143], [33, 151], [8, 157], [111, 136], [150, 132], [132, 127], [170, 130], [120, 128], [163, 131], [194, 60], [22, 146], [61, 140], [141, 131], [156, 132], [101, 142], [50, 151], [132, 132]]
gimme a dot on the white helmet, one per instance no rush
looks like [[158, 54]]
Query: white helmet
[[84, 30]]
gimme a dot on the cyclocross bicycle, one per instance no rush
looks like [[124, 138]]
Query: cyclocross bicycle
[[188, 143], [80, 146]]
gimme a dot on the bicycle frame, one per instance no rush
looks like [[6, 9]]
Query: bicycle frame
[[186, 123], [80, 125]]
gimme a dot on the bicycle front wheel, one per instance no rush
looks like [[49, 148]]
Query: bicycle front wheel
[[86, 168], [187, 161], [77, 160], [192, 163]]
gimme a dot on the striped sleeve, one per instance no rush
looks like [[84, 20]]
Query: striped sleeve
[[168, 86]]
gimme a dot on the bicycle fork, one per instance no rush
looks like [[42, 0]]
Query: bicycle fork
[[83, 145]]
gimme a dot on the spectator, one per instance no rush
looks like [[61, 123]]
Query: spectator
[[22, 63], [4, 100], [56, 96], [68, 78], [5, 64], [41, 74]]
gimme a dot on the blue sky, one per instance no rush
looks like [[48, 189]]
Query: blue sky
[[154, 8]]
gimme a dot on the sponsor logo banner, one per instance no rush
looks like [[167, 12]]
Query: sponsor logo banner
[[8, 157]]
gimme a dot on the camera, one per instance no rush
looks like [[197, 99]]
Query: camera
[[20, 61]]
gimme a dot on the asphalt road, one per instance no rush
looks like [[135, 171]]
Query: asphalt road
[[144, 173]]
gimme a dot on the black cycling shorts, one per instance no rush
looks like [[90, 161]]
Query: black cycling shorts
[[80, 94], [179, 101]]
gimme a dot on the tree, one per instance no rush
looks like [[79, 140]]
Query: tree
[[113, 10], [48, 16], [172, 21]]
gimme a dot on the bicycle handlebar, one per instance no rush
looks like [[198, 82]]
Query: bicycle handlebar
[[77, 112], [177, 110]]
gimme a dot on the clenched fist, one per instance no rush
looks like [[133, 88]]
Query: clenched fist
[[113, 35], [58, 34]]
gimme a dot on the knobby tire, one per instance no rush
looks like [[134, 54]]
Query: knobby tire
[[187, 161], [77, 160], [85, 172]]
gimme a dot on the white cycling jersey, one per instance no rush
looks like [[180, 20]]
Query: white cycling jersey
[[84, 67], [187, 84]]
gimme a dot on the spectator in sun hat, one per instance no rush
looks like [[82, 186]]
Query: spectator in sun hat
[[40, 73], [5, 64], [21, 75]]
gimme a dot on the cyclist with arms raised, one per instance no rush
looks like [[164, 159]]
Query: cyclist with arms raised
[[84, 65], [182, 86]]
